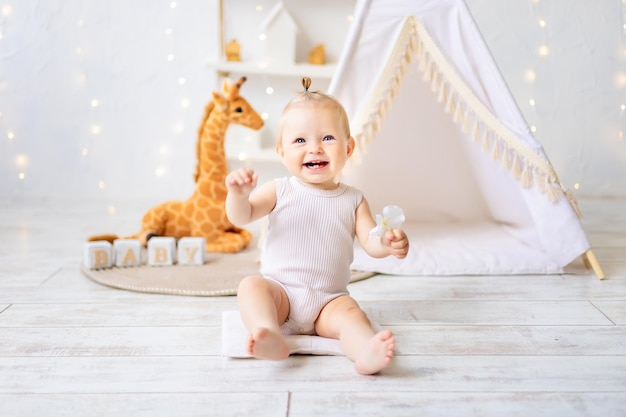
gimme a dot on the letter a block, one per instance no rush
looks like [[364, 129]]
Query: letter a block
[[161, 251], [191, 250], [127, 252], [98, 254]]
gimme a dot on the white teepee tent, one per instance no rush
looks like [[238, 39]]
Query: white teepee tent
[[440, 135]]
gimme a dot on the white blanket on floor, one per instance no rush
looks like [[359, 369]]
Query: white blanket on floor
[[235, 334]]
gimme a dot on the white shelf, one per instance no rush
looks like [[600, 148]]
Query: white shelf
[[262, 68]]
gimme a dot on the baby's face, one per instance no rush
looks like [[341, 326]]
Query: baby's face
[[314, 146]]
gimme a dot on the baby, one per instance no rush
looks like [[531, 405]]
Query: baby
[[312, 222]]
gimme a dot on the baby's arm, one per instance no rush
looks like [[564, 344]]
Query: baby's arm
[[244, 206], [394, 242]]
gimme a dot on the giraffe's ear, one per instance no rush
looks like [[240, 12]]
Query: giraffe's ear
[[226, 86], [219, 100]]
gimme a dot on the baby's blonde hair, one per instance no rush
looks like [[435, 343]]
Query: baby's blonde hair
[[317, 98]]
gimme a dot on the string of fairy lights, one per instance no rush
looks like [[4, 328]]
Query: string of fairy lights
[[621, 77], [95, 127], [21, 160], [622, 81], [543, 51]]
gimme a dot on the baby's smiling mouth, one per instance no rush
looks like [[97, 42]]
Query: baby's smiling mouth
[[316, 164]]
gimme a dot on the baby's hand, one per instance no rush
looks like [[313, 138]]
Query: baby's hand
[[397, 242], [242, 181]]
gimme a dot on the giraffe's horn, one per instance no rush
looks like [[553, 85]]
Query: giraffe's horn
[[234, 89], [241, 81]]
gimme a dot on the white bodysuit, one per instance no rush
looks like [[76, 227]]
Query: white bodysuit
[[309, 247]]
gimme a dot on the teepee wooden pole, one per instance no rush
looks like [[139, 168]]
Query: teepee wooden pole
[[590, 257]]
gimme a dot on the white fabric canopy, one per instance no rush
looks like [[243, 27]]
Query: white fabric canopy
[[440, 135]]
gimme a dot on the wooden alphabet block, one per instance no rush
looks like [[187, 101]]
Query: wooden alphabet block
[[161, 251], [191, 250], [98, 254], [127, 252]]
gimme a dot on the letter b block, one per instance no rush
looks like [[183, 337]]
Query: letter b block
[[98, 254], [127, 252], [191, 250], [161, 251]]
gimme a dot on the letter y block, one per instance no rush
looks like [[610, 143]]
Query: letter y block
[[191, 250]]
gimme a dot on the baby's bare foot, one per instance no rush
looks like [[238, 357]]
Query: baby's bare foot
[[377, 354], [265, 344]]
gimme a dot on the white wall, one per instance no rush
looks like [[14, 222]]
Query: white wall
[[57, 56]]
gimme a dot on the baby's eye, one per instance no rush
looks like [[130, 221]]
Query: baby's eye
[[299, 140], [328, 137]]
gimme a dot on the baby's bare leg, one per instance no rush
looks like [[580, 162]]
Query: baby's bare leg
[[263, 305], [343, 319]]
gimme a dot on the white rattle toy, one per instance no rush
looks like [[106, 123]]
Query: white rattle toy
[[392, 218]]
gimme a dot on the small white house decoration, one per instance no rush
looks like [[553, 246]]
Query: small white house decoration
[[280, 31]]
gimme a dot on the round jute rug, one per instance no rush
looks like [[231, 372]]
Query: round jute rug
[[220, 275]]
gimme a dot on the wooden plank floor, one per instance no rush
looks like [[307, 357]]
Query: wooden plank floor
[[467, 346]]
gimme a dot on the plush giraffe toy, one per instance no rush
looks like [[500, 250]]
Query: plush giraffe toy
[[203, 214]]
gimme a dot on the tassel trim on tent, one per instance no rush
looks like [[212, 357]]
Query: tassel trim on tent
[[414, 42]]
